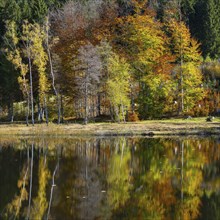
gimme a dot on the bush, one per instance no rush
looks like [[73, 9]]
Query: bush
[[133, 116]]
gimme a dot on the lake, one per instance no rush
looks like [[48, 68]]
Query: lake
[[110, 178]]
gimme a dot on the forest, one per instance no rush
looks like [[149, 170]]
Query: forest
[[118, 60]]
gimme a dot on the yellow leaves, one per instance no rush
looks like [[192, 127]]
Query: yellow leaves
[[145, 43], [40, 60], [179, 31], [10, 57], [145, 32], [13, 208], [15, 55], [194, 178], [32, 49], [118, 83], [119, 176], [139, 5], [191, 84], [40, 203], [193, 52], [184, 47], [118, 68], [189, 209], [32, 32], [33, 36], [188, 57], [150, 208], [141, 31], [11, 33], [43, 86]]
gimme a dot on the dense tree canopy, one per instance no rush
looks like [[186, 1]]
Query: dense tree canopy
[[124, 59]]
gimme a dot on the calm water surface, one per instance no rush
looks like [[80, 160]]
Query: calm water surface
[[110, 178]]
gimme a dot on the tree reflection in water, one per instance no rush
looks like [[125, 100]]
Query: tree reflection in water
[[110, 178]]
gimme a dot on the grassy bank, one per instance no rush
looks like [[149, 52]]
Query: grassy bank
[[195, 126]]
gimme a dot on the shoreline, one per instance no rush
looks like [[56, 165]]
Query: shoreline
[[143, 128]]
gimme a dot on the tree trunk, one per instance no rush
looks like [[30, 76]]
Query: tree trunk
[[86, 105], [26, 93], [132, 101], [11, 111], [181, 99], [112, 113], [181, 61], [61, 109], [28, 109], [182, 167], [98, 151], [52, 75], [52, 188], [123, 114], [31, 90], [99, 104], [117, 113], [31, 180], [46, 110], [58, 108], [40, 118]]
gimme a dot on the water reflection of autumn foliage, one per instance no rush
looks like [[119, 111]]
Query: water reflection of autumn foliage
[[114, 178]]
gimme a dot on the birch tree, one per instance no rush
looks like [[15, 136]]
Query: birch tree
[[25, 52], [33, 38], [49, 43], [40, 61]]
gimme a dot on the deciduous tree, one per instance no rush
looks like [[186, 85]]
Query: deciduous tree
[[118, 86], [88, 77]]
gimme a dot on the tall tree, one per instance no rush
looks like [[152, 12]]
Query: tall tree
[[50, 42], [14, 55], [31, 51], [142, 42], [187, 73], [118, 86], [88, 77]]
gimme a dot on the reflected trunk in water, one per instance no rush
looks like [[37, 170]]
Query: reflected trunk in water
[[31, 179], [52, 187]]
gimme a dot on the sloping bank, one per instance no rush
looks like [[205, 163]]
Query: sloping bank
[[146, 128]]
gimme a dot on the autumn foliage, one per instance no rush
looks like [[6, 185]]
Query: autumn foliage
[[94, 60]]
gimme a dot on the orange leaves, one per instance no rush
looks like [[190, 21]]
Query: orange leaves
[[165, 64], [142, 41], [166, 192]]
